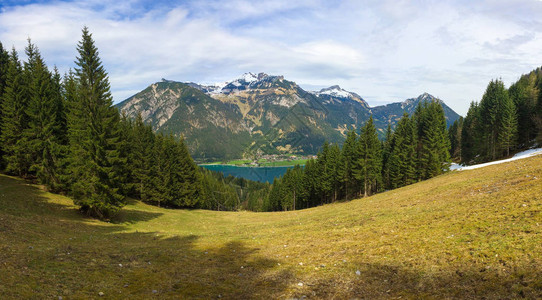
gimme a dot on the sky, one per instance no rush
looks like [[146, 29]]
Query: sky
[[385, 51]]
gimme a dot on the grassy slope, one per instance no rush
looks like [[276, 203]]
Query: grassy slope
[[468, 234]]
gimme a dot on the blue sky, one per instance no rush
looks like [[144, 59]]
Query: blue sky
[[386, 51]]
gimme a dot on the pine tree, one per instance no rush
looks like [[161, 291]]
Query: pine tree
[[94, 136], [15, 119]]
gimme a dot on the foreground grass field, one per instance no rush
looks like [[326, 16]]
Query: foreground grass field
[[469, 234]]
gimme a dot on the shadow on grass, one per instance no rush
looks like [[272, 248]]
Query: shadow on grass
[[132, 216], [377, 281], [48, 251]]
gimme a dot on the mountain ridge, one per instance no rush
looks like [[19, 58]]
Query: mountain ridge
[[257, 113]]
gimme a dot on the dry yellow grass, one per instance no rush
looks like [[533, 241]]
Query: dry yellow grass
[[469, 234]]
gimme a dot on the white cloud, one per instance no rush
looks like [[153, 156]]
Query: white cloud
[[383, 50]]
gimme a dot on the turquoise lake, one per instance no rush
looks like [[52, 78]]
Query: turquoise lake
[[262, 174]]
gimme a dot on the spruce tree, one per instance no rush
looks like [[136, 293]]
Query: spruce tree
[[490, 107], [347, 158], [94, 136], [402, 161], [325, 173], [508, 124], [15, 119], [4, 66], [386, 152], [524, 93], [369, 170], [43, 135], [471, 137], [333, 168], [141, 157], [454, 134], [434, 157]]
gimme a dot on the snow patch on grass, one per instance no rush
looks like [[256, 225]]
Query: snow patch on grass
[[520, 155]]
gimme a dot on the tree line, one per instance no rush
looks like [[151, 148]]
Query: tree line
[[63, 132], [418, 149], [503, 122]]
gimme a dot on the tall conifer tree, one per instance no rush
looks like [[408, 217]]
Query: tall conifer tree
[[15, 118], [369, 170], [4, 65], [94, 136], [43, 136]]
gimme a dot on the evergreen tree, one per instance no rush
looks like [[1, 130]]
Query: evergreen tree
[[333, 168], [346, 163], [508, 125], [4, 65], [15, 119], [94, 136], [454, 134], [41, 138], [369, 170], [403, 154], [470, 135], [310, 184], [325, 174], [141, 157], [292, 186], [524, 94], [434, 157], [386, 152], [490, 126]]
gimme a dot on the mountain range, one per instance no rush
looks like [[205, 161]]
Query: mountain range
[[258, 114]]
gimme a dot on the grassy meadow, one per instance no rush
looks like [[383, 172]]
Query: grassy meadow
[[468, 234]]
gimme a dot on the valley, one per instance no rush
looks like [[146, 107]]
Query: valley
[[474, 232]]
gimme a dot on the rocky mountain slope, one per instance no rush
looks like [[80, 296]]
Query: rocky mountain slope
[[258, 114]]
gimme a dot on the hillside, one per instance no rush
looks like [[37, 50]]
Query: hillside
[[259, 114], [469, 234]]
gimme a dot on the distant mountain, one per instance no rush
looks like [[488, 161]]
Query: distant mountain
[[258, 114], [392, 112]]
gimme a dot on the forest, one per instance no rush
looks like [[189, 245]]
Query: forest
[[63, 132], [503, 122]]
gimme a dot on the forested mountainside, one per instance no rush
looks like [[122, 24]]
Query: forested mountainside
[[260, 114]]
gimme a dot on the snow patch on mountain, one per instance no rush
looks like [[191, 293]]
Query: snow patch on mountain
[[334, 91], [242, 82]]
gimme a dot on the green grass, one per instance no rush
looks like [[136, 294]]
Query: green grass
[[239, 162], [469, 234], [284, 163]]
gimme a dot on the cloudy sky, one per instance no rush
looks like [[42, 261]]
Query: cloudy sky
[[386, 51]]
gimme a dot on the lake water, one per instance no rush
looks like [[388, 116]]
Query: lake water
[[262, 174]]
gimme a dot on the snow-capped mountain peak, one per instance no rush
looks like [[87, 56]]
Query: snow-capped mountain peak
[[335, 91], [242, 82]]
